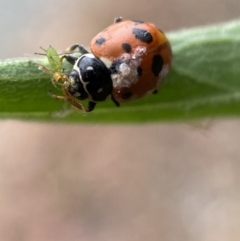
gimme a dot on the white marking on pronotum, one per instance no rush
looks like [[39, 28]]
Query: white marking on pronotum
[[76, 68], [100, 90], [89, 68]]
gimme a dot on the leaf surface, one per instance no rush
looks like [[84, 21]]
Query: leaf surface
[[204, 82]]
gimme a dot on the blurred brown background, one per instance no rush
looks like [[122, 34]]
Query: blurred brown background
[[134, 182]]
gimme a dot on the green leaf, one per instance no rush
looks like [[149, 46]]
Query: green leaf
[[204, 83]]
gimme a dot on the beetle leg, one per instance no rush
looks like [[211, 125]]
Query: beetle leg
[[71, 59], [80, 48], [117, 19], [91, 106], [114, 101]]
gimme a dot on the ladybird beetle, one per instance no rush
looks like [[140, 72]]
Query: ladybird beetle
[[128, 61], [138, 55]]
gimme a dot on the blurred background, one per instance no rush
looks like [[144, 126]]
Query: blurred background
[[106, 182]]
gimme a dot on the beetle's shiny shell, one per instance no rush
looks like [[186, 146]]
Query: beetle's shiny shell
[[125, 38]]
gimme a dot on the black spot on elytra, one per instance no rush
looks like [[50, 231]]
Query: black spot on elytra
[[142, 35], [139, 70], [138, 21], [157, 64], [127, 47], [126, 95], [155, 92], [100, 41]]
